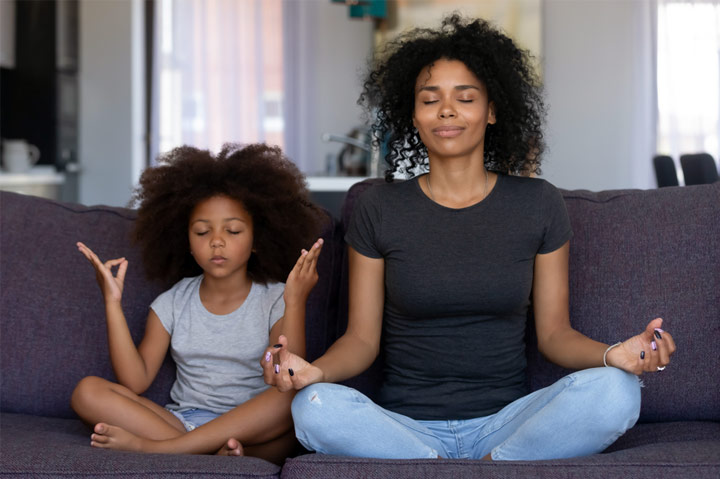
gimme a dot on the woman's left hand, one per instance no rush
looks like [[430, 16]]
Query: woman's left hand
[[649, 351]]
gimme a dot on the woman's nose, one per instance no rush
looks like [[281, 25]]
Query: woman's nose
[[446, 111]]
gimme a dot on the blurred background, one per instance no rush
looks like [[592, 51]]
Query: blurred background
[[91, 91]]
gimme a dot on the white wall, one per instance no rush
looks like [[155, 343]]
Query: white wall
[[599, 78], [327, 52], [597, 69], [7, 34], [110, 102]]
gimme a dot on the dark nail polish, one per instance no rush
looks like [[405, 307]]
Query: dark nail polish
[[642, 354], [292, 373], [277, 346], [657, 334]]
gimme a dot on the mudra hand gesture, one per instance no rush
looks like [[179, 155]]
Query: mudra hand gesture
[[649, 351], [286, 370], [111, 285]]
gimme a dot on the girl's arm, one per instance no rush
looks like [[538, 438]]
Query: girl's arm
[[355, 350], [565, 346], [135, 368], [300, 282]]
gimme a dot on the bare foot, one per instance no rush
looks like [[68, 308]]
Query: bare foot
[[113, 437], [231, 448]]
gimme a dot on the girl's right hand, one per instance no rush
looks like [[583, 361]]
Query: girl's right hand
[[286, 370], [110, 285]]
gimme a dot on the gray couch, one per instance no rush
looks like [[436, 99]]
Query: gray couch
[[635, 255]]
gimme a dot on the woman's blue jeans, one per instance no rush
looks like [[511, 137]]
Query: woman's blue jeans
[[579, 415]]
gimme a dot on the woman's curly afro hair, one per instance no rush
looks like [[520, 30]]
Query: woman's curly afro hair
[[513, 145], [268, 185]]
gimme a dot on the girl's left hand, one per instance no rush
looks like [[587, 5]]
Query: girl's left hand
[[649, 351], [303, 276]]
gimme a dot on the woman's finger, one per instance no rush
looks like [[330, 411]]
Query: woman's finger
[[663, 340], [268, 364]]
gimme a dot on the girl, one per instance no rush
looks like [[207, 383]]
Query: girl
[[230, 227], [445, 266]]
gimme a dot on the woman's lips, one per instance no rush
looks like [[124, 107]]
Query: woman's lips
[[448, 131]]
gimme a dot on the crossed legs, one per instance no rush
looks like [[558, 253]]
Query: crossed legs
[[123, 420]]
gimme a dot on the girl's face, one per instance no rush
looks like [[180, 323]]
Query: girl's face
[[452, 110], [221, 236]]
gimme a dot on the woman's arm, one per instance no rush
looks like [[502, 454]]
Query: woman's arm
[[135, 368], [563, 345], [355, 350], [557, 340]]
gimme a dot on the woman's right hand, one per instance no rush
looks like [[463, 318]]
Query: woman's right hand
[[286, 370], [110, 285]]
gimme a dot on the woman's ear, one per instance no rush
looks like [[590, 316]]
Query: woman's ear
[[491, 113]]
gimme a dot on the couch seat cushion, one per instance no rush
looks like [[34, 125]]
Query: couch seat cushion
[[33, 446]]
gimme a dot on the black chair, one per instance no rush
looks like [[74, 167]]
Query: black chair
[[665, 171], [699, 169]]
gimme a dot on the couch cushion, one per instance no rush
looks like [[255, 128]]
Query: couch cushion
[[52, 332], [696, 459], [51, 447], [641, 254], [52, 318]]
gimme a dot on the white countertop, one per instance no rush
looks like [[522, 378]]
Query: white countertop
[[332, 183], [38, 175]]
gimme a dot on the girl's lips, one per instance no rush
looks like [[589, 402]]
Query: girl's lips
[[217, 259], [448, 131]]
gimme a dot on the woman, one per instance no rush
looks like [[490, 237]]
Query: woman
[[443, 269]]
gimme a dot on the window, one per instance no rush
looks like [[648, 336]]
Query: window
[[688, 77], [219, 73]]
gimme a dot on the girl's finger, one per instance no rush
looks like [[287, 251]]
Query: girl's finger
[[313, 255], [122, 270], [300, 261]]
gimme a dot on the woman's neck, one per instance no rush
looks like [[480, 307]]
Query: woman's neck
[[457, 182]]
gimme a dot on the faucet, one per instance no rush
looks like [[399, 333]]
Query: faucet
[[373, 148]]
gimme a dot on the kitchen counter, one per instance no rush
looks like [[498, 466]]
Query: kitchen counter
[[329, 191], [332, 183], [41, 180]]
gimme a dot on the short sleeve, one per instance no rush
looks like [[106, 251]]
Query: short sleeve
[[277, 306], [556, 222], [163, 307], [362, 233]]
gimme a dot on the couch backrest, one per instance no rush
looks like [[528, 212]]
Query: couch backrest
[[52, 318], [636, 255]]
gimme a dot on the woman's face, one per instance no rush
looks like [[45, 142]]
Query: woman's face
[[451, 110]]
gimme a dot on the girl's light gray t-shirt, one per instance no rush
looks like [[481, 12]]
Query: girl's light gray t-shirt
[[217, 356], [457, 291]]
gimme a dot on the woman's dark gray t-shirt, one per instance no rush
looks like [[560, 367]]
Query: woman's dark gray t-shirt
[[457, 291]]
